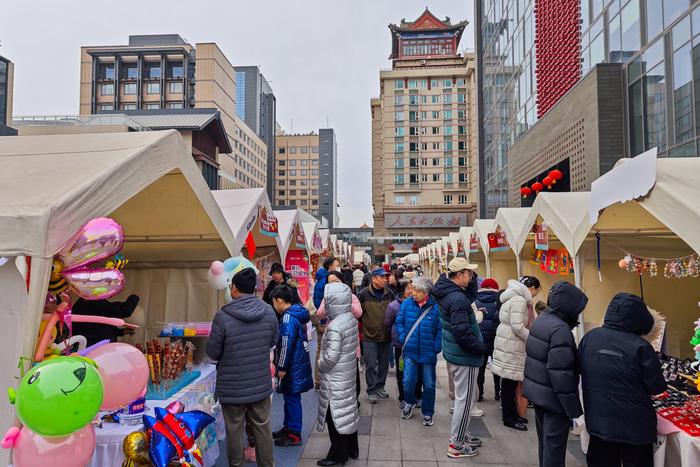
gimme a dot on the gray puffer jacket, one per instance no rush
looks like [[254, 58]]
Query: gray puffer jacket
[[242, 334], [338, 362]]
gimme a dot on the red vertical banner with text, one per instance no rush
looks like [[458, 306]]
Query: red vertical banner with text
[[298, 267]]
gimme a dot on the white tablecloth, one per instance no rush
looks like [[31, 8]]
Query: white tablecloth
[[109, 438], [675, 448]]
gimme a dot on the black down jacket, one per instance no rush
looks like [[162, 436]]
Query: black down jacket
[[242, 334], [551, 379], [487, 302], [619, 373]]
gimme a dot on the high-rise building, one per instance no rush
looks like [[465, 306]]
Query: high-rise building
[[164, 72], [6, 83], [634, 89], [257, 106], [306, 174], [424, 136]]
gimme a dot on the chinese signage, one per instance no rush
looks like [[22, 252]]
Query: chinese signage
[[299, 237], [542, 237], [268, 223], [473, 244], [298, 268], [497, 241], [425, 220]]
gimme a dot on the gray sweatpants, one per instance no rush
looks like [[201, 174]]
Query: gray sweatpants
[[377, 364], [465, 396]]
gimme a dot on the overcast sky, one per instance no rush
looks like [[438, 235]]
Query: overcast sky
[[322, 58]]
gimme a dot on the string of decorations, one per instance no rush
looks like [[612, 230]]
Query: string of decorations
[[675, 268], [550, 180]]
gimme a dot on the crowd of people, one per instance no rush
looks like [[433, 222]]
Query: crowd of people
[[369, 319]]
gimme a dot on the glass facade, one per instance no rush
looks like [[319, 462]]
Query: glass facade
[[3, 91], [658, 43], [240, 94]]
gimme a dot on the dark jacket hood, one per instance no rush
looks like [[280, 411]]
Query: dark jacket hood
[[567, 301], [627, 312], [299, 312], [322, 273], [443, 287], [487, 296], [248, 308]]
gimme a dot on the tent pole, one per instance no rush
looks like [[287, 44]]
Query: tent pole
[[578, 280]]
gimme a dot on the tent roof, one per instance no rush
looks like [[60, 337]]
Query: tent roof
[[146, 181], [512, 221], [287, 218], [241, 210], [670, 205], [566, 214], [454, 242], [311, 229], [482, 228]]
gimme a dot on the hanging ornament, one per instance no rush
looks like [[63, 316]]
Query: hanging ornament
[[548, 181], [537, 187], [623, 263], [652, 267], [526, 191], [556, 175]]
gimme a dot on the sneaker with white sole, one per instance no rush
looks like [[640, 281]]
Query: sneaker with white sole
[[427, 420], [407, 411], [457, 452], [373, 398], [477, 412], [382, 393]]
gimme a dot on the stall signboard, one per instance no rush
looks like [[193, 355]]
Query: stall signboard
[[542, 236], [460, 247], [299, 237], [425, 220], [298, 268], [473, 243], [317, 242], [268, 223], [498, 241]]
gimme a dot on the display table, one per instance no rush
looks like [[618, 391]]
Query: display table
[[109, 438], [675, 447]]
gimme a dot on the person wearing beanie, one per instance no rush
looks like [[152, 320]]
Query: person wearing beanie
[[242, 334], [280, 277], [487, 302]]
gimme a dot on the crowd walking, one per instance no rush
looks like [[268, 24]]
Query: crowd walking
[[261, 346]]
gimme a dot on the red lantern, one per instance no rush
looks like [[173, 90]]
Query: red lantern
[[556, 174], [391, 248], [537, 187], [549, 181], [526, 191]]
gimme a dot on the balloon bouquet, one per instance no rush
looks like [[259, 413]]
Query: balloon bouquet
[[220, 274]]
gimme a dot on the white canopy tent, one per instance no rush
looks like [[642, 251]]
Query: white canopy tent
[[512, 221], [146, 181]]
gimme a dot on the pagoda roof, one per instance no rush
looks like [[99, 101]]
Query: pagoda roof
[[428, 22]]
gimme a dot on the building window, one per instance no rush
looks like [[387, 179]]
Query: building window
[[128, 106], [304, 162], [304, 173], [423, 99], [423, 177], [131, 71], [107, 107], [424, 162], [414, 200], [398, 163], [461, 98], [461, 81], [176, 87], [398, 100], [462, 199], [314, 172], [461, 114], [292, 150], [175, 105], [398, 179], [107, 90], [398, 200], [436, 146], [413, 162], [461, 146], [436, 115], [314, 150], [434, 83], [175, 70], [314, 182], [153, 70], [292, 172], [462, 161], [447, 199], [413, 100], [631, 34], [413, 147], [304, 192], [107, 71], [281, 173], [399, 147], [398, 84], [436, 161], [412, 84], [153, 88], [447, 83], [280, 192], [398, 131], [449, 130], [447, 98], [281, 182], [314, 192], [448, 162], [314, 202], [130, 89], [304, 182], [281, 150], [304, 149], [152, 106], [448, 144], [292, 163], [413, 178], [292, 183], [398, 116], [448, 177], [314, 161], [462, 177], [436, 177], [436, 130], [462, 130]]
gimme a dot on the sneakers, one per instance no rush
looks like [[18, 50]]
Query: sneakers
[[407, 411], [373, 398], [289, 438], [457, 452], [278, 434], [382, 393], [477, 412], [473, 441], [428, 421]]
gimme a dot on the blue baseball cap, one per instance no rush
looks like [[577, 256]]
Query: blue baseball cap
[[379, 272]]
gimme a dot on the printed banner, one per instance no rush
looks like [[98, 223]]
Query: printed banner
[[473, 244], [425, 220], [542, 236], [498, 241], [268, 223], [298, 267], [566, 264], [460, 247], [299, 237]]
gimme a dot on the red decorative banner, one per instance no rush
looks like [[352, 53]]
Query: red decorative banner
[[268, 223], [473, 244], [299, 237], [298, 268], [497, 241], [542, 236]]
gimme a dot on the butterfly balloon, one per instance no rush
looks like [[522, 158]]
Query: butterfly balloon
[[220, 274], [174, 436], [95, 241]]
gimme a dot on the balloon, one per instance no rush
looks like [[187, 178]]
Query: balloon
[[95, 284], [75, 450], [98, 239], [175, 407], [175, 435], [58, 396], [220, 274], [124, 372], [135, 448], [623, 263]]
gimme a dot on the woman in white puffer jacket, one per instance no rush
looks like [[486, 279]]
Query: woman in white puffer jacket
[[516, 316]]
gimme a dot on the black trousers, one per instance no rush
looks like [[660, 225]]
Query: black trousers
[[342, 446], [399, 378], [603, 453], [480, 381], [509, 408], [552, 436]]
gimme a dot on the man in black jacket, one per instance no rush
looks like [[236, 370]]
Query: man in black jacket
[[619, 373], [280, 277], [551, 379]]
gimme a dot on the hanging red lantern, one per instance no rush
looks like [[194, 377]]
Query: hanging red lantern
[[526, 191], [556, 174], [548, 181], [537, 187], [391, 248]]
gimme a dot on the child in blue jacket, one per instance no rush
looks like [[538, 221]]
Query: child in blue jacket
[[292, 362]]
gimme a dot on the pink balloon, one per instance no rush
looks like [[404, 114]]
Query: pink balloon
[[124, 372], [95, 284], [74, 450], [98, 239]]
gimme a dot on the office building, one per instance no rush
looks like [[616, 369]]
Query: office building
[[166, 73], [257, 106], [6, 84], [306, 174], [424, 136]]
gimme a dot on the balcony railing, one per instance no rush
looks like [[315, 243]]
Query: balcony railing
[[78, 120]]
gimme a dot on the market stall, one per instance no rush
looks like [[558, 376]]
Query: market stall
[[294, 250], [148, 184], [314, 246], [500, 260]]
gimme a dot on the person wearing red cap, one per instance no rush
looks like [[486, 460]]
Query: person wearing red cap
[[487, 302]]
